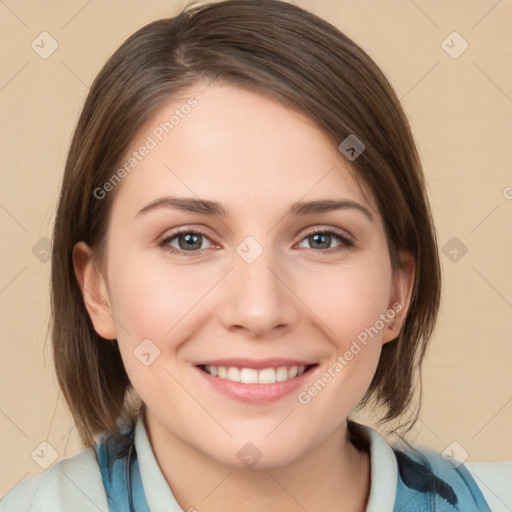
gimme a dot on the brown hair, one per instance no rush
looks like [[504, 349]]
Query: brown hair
[[276, 48]]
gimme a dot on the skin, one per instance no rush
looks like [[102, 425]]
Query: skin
[[298, 299]]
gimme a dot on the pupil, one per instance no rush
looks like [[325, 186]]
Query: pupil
[[189, 241], [317, 236]]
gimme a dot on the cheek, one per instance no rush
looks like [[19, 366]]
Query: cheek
[[350, 306], [349, 298], [153, 303], [157, 301]]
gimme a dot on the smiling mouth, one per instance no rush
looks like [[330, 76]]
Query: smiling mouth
[[253, 376]]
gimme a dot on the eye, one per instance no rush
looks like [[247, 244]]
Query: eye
[[324, 236], [192, 241], [188, 241]]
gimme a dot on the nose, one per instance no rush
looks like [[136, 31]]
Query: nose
[[257, 298]]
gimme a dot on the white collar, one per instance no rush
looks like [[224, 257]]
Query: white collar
[[383, 471]]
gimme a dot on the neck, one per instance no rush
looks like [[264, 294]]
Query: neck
[[334, 472]]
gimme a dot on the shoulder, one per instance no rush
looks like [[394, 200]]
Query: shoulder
[[424, 478], [495, 481], [450, 482], [75, 480]]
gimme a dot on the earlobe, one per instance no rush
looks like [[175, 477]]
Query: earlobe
[[94, 292], [400, 298]]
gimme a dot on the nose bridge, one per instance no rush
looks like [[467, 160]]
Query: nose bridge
[[258, 298]]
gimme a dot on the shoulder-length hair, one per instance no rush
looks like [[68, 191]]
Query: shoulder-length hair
[[269, 46]]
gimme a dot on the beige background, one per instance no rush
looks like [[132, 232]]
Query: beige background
[[460, 111]]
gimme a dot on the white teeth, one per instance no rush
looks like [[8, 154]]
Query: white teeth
[[267, 376], [249, 376], [282, 374], [252, 376], [233, 374]]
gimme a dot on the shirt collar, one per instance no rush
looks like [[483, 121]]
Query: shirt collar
[[156, 489], [383, 471]]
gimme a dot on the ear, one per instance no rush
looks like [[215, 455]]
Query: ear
[[400, 296], [94, 291]]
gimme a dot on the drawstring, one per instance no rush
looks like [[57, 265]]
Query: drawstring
[[128, 475]]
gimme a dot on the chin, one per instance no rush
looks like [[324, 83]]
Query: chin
[[254, 455]]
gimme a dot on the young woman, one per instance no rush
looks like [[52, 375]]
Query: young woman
[[243, 255]]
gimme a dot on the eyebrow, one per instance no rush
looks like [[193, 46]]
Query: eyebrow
[[214, 208]]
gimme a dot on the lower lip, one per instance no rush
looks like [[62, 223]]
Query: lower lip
[[256, 392]]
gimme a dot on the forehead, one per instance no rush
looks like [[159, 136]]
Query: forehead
[[238, 147]]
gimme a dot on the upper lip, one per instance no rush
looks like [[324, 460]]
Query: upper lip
[[257, 364]]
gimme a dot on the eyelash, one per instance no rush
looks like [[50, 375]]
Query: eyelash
[[345, 243]]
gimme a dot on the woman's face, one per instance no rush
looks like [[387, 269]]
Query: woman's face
[[252, 288]]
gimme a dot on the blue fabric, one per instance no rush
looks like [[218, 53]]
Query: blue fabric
[[426, 482], [115, 465]]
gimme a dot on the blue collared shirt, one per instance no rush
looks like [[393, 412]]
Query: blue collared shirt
[[96, 479]]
